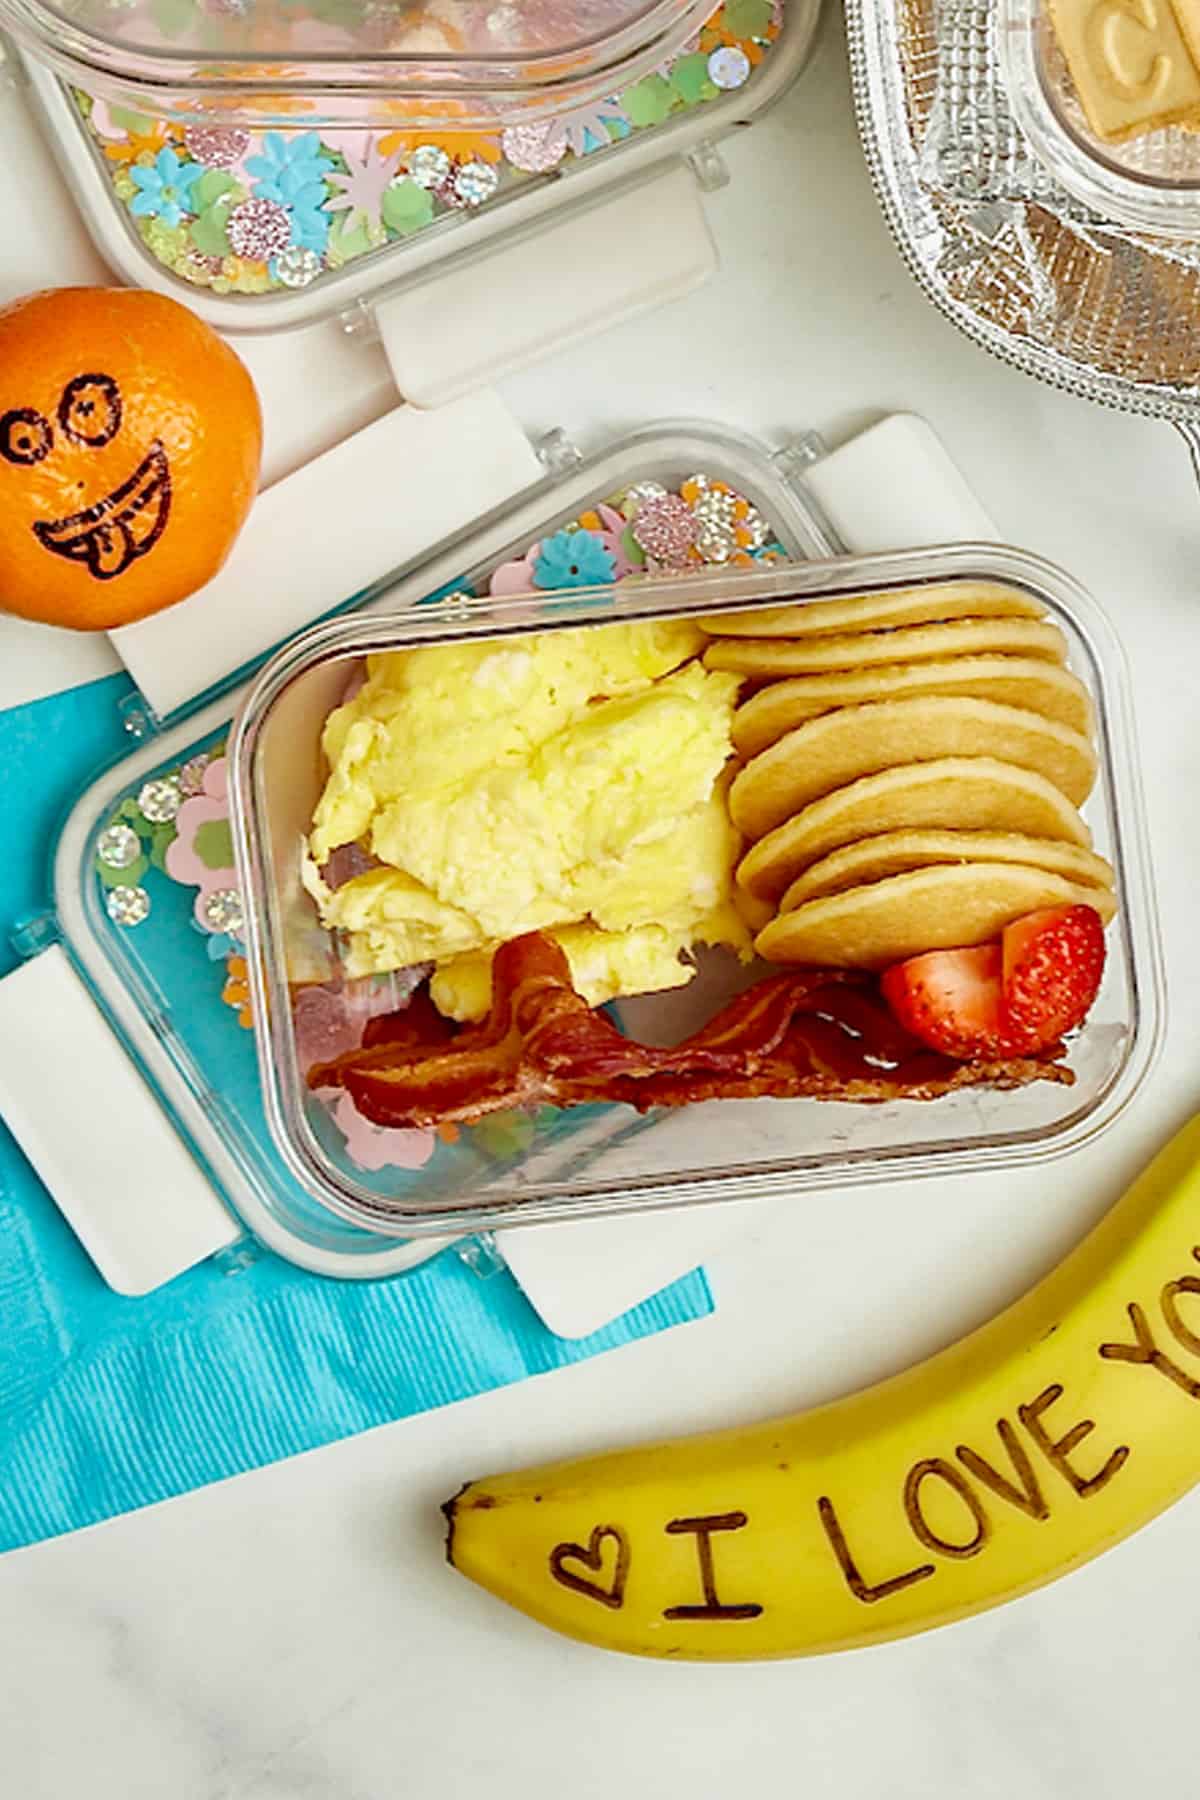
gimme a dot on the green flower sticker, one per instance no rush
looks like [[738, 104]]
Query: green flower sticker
[[690, 79], [649, 102], [213, 844], [407, 207], [748, 18]]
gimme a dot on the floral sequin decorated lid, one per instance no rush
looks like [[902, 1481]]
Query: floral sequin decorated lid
[[396, 63], [262, 221]]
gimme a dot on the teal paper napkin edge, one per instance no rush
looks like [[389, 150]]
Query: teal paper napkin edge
[[108, 1404]]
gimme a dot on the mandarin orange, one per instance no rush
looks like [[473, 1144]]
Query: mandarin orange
[[130, 442]]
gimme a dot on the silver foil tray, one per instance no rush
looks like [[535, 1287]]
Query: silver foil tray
[[1015, 261]]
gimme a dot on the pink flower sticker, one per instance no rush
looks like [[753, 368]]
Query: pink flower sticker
[[375, 1147], [201, 855]]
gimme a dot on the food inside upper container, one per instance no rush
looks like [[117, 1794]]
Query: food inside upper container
[[1109, 97]]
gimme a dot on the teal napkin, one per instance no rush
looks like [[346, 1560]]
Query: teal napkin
[[108, 1403]]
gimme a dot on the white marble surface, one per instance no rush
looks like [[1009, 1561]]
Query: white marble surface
[[295, 1633]]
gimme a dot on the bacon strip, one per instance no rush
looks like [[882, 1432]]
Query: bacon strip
[[809, 1031]]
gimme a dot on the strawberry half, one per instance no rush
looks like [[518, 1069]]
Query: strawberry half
[[952, 1000], [1053, 964], [1014, 998]]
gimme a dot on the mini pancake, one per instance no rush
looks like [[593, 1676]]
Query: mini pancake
[[883, 922], [897, 852], [1040, 687], [879, 612], [840, 747], [753, 912], [979, 793], [765, 659]]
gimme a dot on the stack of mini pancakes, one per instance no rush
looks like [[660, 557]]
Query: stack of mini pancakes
[[913, 767]]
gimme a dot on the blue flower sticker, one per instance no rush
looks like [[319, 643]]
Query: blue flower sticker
[[165, 188], [292, 172], [310, 228], [573, 559]]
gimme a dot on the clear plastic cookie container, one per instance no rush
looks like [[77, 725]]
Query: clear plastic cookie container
[[552, 1163], [1109, 97]]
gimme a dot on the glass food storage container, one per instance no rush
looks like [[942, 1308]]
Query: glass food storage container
[[556, 1164], [1109, 99], [140, 952], [263, 217]]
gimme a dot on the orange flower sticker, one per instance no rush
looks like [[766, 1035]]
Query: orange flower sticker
[[236, 992], [716, 37], [148, 146], [462, 146]]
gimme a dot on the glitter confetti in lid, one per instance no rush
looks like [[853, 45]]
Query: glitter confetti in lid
[[259, 230], [119, 847], [729, 67], [127, 905], [666, 529], [429, 166], [160, 800]]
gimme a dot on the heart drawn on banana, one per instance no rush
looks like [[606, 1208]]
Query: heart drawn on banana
[[593, 1559]]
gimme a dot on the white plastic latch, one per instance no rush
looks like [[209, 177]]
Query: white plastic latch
[[375, 502], [72, 1097], [478, 319], [895, 487]]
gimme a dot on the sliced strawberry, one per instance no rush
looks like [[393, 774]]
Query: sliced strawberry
[[1011, 999], [1053, 965], [951, 1000]]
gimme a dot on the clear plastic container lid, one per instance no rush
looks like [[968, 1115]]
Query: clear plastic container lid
[[607, 1158], [455, 63], [1109, 98]]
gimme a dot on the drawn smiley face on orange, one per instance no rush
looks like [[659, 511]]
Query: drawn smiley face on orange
[[130, 438], [112, 532]]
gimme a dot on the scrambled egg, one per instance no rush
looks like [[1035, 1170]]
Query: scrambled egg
[[569, 781]]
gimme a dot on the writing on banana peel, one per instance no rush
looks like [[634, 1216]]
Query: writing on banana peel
[[1041, 1456]]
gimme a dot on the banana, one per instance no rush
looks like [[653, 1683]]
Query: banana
[[1015, 1455]]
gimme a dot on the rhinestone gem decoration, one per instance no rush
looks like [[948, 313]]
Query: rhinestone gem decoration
[[223, 911], [191, 776], [729, 68], [216, 146], [475, 182], [535, 149], [429, 166], [666, 528], [298, 266], [635, 497], [259, 229], [119, 847], [127, 905], [159, 801]]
